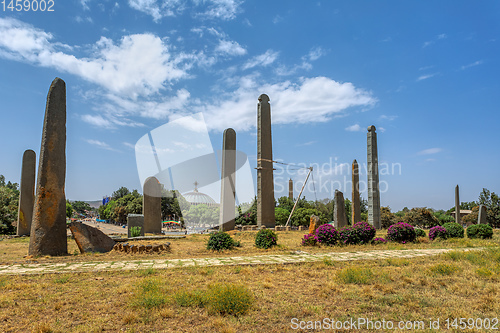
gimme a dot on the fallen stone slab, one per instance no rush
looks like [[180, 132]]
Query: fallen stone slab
[[90, 239]]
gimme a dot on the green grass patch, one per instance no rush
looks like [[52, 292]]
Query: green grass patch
[[355, 275], [444, 269]]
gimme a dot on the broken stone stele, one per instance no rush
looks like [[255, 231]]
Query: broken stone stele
[[356, 205], [90, 239], [26, 194], [48, 228]]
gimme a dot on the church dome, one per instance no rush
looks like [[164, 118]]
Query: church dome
[[197, 198]]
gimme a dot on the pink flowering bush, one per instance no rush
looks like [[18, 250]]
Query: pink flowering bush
[[401, 232], [309, 240], [437, 232], [359, 233], [327, 234], [266, 239], [378, 240]]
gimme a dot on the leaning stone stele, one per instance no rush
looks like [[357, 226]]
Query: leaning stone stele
[[481, 218], [26, 193], [265, 183], [48, 229], [313, 224]]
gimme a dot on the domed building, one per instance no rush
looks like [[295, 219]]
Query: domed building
[[197, 198]]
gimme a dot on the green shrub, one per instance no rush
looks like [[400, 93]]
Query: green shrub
[[135, 231], [266, 239], [225, 298], [420, 233], [191, 298], [482, 231], [150, 294], [355, 275], [454, 230], [220, 240], [359, 233]]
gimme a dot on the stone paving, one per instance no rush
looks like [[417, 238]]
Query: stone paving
[[297, 257]]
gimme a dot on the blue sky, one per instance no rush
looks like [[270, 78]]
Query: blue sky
[[426, 74]]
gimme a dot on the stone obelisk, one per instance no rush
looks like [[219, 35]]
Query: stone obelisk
[[339, 216], [290, 189], [27, 193], [228, 179], [457, 205], [356, 207], [48, 229], [265, 182], [373, 180], [151, 206]]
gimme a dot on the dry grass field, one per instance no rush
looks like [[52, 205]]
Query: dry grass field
[[267, 298]]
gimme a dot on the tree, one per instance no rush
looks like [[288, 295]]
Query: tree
[[421, 217], [386, 217], [9, 199], [247, 213], [120, 193], [302, 216], [285, 203], [81, 206], [281, 215], [492, 203], [69, 210]]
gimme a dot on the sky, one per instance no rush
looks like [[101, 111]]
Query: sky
[[425, 74]]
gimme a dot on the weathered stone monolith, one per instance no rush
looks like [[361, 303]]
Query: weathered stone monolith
[[26, 194], [373, 179], [135, 220], [48, 228], [265, 183], [339, 217], [290, 189], [313, 224], [228, 189], [481, 218], [151, 206], [457, 205], [356, 207]]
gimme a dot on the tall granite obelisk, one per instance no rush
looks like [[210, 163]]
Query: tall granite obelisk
[[290, 189], [228, 179], [151, 206], [339, 217], [356, 207], [26, 194], [373, 179], [48, 229], [457, 205], [265, 182]]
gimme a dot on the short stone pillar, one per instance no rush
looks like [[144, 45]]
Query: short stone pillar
[[339, 210], [228, 181], [48, 228], [481, 218], [26, 193], [313, 224], [151, 206], [135, 220]]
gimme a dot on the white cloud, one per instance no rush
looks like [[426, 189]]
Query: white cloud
[[230, 48], [157, 9], [390, 118], [311, 100], [430, 151], [476, 63], [442, 36], [438, 37], [426, 76], [136, 65], [353, 128], [315, 54], [222, 9], [262, 60], [100, 144]]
